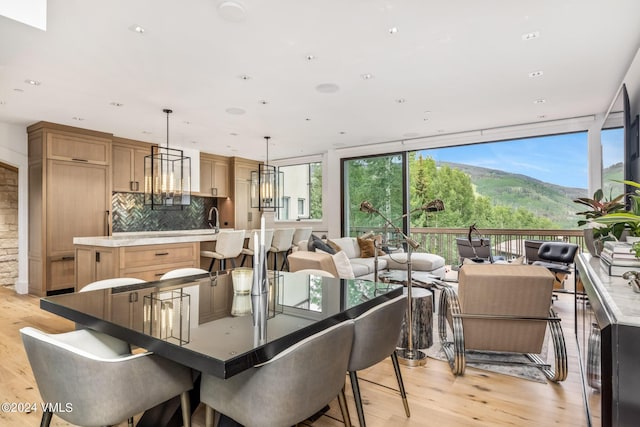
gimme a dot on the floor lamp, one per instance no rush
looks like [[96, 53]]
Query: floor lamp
[[409, 356]]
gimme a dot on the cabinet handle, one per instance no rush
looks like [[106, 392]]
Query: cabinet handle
[[134, 185], [214, 191], [133, 297], [68, 258], [79, 160], [162, 253]]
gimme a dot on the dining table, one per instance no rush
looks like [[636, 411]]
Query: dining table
[[171, 317]]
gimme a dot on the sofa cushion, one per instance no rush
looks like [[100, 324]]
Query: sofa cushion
[[349, 246], [419, 261], [368, 247], [362, 266]]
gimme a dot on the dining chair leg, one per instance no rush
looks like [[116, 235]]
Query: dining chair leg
[[185, 404], [275, 261], [46, 419], [396, 367], [342, 401], [213, 261], [356, 395], [130, 422], [209, 416]]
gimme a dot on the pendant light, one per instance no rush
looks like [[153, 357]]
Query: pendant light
[[266, 185], [167, 176]]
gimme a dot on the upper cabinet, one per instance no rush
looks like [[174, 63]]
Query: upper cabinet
[[214, 176], [128, 164]]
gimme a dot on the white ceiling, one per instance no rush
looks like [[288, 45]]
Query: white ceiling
[[458, 65]]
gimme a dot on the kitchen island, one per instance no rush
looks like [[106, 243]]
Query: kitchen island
[[143, 255]]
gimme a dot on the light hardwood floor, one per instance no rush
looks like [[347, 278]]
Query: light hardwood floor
[[436, 397]]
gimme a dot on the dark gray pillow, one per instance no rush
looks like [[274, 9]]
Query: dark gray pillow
[[316, 243]]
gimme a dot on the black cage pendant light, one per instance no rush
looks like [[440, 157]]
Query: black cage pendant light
[[167, 176], [266, 185]]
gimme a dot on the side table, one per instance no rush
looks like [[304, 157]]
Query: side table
[[422, 328]]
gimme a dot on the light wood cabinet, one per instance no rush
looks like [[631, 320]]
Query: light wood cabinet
[[127, 158], [246, 217], [69, 196], [214, 176], [146, 262]]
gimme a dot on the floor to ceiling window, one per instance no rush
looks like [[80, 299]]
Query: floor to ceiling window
[[527, 183], [612, 141]]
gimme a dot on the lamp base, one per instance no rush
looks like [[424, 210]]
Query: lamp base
[[411, 357]]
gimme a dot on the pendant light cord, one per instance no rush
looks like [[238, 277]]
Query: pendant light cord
[[266, 162], [168, 111]]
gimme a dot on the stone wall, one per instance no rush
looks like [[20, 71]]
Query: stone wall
[[8, 225]]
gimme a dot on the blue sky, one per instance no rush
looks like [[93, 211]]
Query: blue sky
[[555, 159]]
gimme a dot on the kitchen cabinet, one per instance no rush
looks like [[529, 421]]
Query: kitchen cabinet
[[145, 262], [69, 196], [246, 217], [128, 164], [214, 176]]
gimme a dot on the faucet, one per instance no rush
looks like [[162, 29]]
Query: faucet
[[216, 227]]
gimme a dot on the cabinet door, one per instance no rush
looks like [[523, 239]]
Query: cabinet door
[[206, 177], [246, 218], [85, 269], [138, 169], [122, 159], [221, 178], [81, 148]]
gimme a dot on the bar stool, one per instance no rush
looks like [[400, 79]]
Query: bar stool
[[281, 244], [228, 246], [301, 234], [248, 251]]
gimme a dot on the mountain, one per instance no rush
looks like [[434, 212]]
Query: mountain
[[551, 201]]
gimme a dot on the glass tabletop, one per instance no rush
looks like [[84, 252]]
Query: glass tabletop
[[201, 322]]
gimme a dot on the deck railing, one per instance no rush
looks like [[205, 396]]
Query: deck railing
[[507, 243]]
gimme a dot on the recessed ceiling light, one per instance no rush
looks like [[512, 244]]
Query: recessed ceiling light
[[32, 82], [310, 57], [3, 102], [137, 29], [426, 119], [78, 118], [366, 76], [231, 11], [308, 119], [235, 110], [542, 116], [401, 100], [146, 132], [194, 142], [18, 90], [440, 130], [540, 101], [534, 74], [116, 104], [244, 77], [342, 132], [530, 36], [263, 102], [327, 88], [393, 30], [232, 134]]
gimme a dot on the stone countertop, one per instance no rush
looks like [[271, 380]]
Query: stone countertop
[[149, 238], [614, 292]]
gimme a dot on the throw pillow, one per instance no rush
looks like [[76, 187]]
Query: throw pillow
[[343, 265], [316, 243], [334, 245], [368, 248]]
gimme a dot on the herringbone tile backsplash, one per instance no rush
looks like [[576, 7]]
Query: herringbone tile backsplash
[[131, 214]]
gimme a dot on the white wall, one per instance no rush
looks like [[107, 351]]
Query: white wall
[[13, 151]]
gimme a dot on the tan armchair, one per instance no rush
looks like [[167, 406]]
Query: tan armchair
[[501, 308]]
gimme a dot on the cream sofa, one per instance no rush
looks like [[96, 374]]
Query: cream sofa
[[363, 267]]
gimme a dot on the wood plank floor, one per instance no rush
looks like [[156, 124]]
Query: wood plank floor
[[436, 397]]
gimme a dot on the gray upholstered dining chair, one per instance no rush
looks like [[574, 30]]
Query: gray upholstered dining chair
[[289, 388], [228, 246], [102, 382], [375, 338]]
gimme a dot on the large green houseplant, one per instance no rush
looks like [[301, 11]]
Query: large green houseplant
[[597, 232], [626, 219]]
